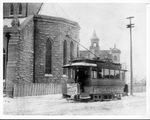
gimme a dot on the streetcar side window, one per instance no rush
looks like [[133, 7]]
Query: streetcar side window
[[100, 73], [106, 73], [121, 75], [112, 73], [117, 74]]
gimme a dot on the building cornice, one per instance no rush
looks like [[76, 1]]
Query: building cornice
[[55, 19]]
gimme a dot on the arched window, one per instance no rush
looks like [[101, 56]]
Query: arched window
[[95, 44], [4, 63], [115, 58], [64, 55], [48, 64], [20, 8], [77, 50], [71, 50], [11, 9]]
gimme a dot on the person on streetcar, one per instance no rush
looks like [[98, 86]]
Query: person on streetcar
[[80, 78]]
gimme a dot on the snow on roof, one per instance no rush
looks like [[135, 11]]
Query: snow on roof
[[8, 21], [80, 64]]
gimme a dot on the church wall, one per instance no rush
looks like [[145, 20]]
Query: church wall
[[57, 30], [26, 52], [6, 10]]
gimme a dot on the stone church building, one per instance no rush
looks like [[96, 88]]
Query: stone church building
[[35, 47], [95, 51]]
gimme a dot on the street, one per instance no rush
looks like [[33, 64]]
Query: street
[[56, 105]]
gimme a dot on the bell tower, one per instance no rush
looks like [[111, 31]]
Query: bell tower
[[115, 54], [94, 48]]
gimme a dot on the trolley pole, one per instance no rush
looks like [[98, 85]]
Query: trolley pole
[[131, 68]]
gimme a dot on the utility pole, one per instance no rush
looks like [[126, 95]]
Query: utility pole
[[131, 68]]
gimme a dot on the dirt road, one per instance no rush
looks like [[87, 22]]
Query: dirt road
[[56, 105]]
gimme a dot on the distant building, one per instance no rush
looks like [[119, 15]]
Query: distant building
[[112, 54], [35, 47], [22, 10]]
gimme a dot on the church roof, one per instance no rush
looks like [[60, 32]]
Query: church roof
[[94, 36], [115, 50], [7, 21]]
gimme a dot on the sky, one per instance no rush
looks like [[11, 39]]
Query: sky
[[109, 21]]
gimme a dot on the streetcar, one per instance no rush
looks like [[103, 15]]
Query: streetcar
[[93, 79]]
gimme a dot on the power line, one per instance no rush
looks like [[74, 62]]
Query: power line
[[40, 8], [63, 10], [55, 9]]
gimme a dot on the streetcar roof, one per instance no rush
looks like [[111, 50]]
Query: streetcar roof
[[80, 64]]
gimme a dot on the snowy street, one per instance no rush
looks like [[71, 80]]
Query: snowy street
[[56, 105]]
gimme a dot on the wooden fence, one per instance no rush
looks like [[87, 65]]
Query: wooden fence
[[36, 89], [138, 88]]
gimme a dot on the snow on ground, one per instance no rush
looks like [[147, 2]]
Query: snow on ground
[[56, 105]]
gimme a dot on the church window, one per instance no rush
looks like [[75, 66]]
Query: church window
[[64, 55], [11, 9], [4, 63], [115, 58], [48, 65], [71, 50], [20, 9], [94, 44], [77, 50]]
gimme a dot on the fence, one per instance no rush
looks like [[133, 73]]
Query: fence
[[35, 89], [138, 88]]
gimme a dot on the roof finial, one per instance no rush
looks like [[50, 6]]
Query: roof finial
[[94, 32], [114, 45], [15, 21]]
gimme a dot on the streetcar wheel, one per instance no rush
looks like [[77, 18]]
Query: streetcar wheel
[[95, 97], [101, 97]]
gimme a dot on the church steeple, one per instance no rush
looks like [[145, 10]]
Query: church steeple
[[94, 48], [94, 36]]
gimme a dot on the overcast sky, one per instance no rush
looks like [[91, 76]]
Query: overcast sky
[[109, 21]]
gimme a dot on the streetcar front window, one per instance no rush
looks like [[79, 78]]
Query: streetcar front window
[[94, 73], [71, 73]]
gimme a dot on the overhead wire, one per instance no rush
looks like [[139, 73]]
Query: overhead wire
[[68, 36], [40, 8], [68, 18], [83, 47], [63, 11], [55, 9], [72, 38]]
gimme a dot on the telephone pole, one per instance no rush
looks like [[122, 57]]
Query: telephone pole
[[131, 68]]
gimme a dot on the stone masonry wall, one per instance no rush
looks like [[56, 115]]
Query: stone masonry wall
[[26, 52], [57, 30], [27, 9]]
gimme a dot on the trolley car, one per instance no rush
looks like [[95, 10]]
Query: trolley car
[[94, 80]]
